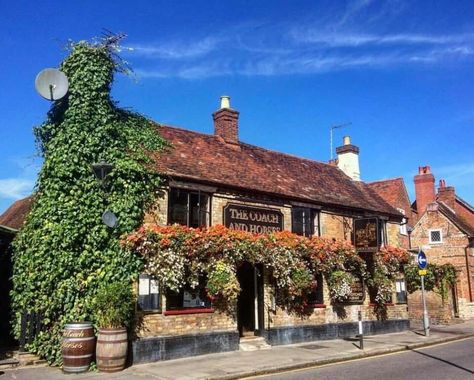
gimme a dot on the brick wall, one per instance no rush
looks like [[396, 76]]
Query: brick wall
[[336, 226], [332, 226], [157, 324], [451, 250], [438, 311], [329, 313]]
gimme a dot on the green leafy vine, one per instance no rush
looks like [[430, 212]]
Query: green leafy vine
[[64, 251]]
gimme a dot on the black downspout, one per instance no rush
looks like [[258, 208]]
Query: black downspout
[[468, 272]]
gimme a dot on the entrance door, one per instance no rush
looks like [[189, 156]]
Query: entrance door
[[249, 310]]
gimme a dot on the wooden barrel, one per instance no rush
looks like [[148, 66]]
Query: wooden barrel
[[111, 350], [77, 347]]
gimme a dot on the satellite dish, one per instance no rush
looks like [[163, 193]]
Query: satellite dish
[[51, 84], [109, 219]]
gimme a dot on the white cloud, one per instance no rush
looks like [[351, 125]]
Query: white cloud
[[176, 49], [270, 49], [341, 39], [15, 188]]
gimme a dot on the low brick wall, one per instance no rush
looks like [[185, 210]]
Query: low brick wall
[[438, 312], [157, 348], [308, 333]]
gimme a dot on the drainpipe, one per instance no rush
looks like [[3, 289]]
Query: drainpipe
[[468, 272]]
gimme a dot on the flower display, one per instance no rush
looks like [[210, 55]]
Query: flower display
[[176, 255]]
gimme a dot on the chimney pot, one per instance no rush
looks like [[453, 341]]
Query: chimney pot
[[424, 170], [347, 140], [225, 101]]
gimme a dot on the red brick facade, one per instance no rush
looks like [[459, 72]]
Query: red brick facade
[[450, 219]]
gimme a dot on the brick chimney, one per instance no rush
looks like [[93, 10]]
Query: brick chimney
[[226, 122], [446, 194], [348, 159], [424, 188]]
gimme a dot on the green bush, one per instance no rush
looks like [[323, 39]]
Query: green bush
[[113, 305], [439, 278]]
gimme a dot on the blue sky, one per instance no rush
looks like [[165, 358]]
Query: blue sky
[[400, 71]]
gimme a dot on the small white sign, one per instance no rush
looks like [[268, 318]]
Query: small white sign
[[143, 286], [154, 288]]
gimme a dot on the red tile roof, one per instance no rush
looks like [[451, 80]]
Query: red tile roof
[[460, 222], [15, 215], [207, 158], [394, 192]]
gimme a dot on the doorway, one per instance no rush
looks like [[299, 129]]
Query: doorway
[[250, 300]]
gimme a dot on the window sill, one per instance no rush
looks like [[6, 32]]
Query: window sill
[[317, 305], [194, 310], [386, 304], [146, 312]]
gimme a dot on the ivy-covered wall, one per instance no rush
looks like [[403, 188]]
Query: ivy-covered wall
[[64, 251]]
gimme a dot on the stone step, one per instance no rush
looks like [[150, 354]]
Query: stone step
[[253, 343], [25, 358], [9, 363]]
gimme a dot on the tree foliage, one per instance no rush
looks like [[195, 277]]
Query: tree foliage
[[64, 251]]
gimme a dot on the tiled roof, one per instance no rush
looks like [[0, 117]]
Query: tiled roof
[[15, 215], [207, 158], [462, 224], [388, 189], [394, 192]]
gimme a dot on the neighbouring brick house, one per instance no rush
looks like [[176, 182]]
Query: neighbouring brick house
[[210, 179], [445, 232], [10, 221]]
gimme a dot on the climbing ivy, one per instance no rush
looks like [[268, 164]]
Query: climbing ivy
[[439, 278], [64, 251]]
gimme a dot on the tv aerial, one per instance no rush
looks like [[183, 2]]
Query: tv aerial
[[51, 84]]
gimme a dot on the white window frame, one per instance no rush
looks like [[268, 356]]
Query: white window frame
[[440, 235], [403, 225]]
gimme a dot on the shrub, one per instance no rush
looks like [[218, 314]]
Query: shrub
[[113, 305]]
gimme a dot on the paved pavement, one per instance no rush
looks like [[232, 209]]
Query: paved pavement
[[236, 365]]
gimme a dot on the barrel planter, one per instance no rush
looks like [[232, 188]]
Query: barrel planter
[[111, 350], [77, 347]]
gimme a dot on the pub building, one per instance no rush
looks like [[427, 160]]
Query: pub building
[[212, 179]]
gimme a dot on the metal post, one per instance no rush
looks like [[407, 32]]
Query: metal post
[[426, 322], [361, 331]]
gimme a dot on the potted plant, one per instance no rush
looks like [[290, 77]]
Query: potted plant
[[113, 306]]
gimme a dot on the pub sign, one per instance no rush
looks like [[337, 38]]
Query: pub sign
[[257, 220], [366, 235]]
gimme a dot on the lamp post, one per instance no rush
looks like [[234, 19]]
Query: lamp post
[[101, 170]]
